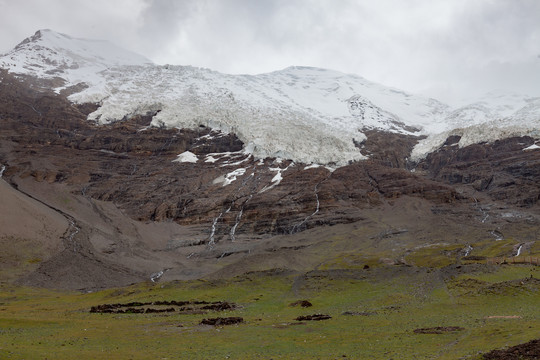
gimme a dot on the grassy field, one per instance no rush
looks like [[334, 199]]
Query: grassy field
[[374, 314]]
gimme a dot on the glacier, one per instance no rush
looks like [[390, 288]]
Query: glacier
[[309, 115]]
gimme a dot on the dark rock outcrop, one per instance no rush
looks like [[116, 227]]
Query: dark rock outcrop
[[314, 317], [502, 169], [527, 351], [220, 321]]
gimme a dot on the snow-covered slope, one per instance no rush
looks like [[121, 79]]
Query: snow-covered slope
[[51, 55], [306, 114], [496, 115]]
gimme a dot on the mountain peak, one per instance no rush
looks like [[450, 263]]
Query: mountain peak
[[36, 37], [52, 55], [306, 114], [103, 50]]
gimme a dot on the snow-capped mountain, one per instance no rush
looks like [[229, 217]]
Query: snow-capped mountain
[[51, 55], [134, 202], [306, 114], [496, 115]]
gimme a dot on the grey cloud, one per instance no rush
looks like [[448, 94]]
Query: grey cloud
[[161, 20], [433, 46]]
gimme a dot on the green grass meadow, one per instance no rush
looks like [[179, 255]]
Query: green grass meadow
[[44, 324]]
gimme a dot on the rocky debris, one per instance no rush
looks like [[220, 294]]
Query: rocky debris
[[527, 351], [219, 306], [314, 317], [153, 311], [438, 330], [191, 307], [131, 308], [302, 303], [110, 307], [220, 321]]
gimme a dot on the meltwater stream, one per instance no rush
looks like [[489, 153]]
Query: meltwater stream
[[238, 218], [519, 250], [297, 227]]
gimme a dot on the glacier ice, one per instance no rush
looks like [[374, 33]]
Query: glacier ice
[[309, 115]]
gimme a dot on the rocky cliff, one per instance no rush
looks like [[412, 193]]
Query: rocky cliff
[[143, 202]]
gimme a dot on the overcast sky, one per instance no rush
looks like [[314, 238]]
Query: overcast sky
[[440, 48]]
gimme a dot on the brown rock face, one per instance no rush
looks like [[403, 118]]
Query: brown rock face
[[132, 165], [389, 149], [503, 170], [133, 208]]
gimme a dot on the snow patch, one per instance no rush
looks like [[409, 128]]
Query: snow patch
[[276, 179], [157, 275], [330, 168], [467, 250], [237, 162], [487, 132], [210, 159], [532, 147], [186, 156], [212, 135], [229, 178]]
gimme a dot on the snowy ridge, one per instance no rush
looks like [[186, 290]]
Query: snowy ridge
[[298, 113], [485, 132], [51, 55], [496, 116], [309, 115]]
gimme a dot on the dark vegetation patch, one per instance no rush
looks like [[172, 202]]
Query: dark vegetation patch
[[219, 306], [219, 321], [526, 351], [190, 307], [474, 258], [357, 313], [314, 317], [438, 330], [302, 303]]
